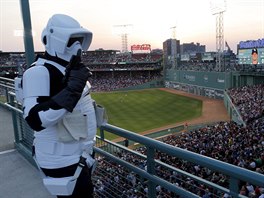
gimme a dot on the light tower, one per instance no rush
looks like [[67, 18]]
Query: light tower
[[174, 48], [218, 7], [173, 32], [123, 31]]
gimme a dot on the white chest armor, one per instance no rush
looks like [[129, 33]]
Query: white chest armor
[[51, 151]]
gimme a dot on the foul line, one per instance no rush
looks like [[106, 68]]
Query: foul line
[[7, 151]]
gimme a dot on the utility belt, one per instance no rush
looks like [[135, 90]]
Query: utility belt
[[59, 148]]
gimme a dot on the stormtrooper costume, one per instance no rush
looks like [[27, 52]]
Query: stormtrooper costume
[[57, 104]]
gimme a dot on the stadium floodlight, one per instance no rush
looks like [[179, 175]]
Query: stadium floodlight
[[123, 31], [218, 7]]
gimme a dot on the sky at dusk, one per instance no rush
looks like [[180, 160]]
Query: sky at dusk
[[151, 21]]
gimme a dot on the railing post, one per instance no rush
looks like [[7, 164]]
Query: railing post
[[6, 94], [151, 170], [14, 119], [102, 133], [233, 186], [28, 40]]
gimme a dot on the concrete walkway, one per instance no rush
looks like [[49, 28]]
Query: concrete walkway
[[6, 130], [18, 178]]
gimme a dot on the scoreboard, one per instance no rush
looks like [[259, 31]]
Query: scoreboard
[[245, 51], [207, 56], [245, 56], [141, 49]]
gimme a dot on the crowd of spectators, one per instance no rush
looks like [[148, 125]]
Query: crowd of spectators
[[7, 59], [224, 141], [125, 67], [109, 72], [112, 57], [9, 64], [207, 66], [197, 66], [249, 100], [229, 142], [109, 81]]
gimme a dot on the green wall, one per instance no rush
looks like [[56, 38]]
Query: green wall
[[216, 80], [152, 84]]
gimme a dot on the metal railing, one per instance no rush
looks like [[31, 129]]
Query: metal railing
[[234, 113], [122, 171], [6, 85]]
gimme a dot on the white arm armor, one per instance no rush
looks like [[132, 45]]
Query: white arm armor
[[36, 84]]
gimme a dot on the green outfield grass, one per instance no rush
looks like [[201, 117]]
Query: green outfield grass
[[142, 110]]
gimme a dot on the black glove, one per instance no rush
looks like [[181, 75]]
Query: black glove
[[77, 79], [75, 83]]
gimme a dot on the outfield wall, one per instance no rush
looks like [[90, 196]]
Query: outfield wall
[[214, 80], [213, 85], [210, 84], [152, 84]]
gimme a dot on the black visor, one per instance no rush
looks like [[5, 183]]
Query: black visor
[[73, 40]]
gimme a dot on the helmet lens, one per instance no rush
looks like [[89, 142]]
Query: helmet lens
[[73, 40]]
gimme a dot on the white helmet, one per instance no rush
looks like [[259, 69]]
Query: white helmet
[[64, 37]]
